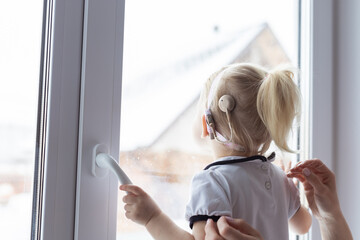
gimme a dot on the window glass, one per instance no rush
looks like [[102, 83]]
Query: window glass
[[20, 27], [170, 49]]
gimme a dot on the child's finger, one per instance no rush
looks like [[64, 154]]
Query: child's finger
[[288, 166], [128, 208], [128, 215], [130, 199], [132, 189]]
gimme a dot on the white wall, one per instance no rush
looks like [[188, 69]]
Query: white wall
[[347, 109]]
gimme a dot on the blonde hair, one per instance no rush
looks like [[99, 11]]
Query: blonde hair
[[266, 104]]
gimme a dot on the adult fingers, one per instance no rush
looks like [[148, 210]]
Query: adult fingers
[[298, 176], [313, 180], [243, 226], [211, 231], [236, 232], [211, 226], [302, 179], [315, 165]]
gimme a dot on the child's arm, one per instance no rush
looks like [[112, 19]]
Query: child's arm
[[142, 209], [301, 221]]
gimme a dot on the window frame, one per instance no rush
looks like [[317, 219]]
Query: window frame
[[58, 120], [74, 57], [62, 161], [317, 48], [99, 117]]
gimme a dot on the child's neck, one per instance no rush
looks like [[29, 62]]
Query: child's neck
[[222, 151], [219, 150]]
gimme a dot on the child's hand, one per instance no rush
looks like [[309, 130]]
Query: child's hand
[[139, 206]]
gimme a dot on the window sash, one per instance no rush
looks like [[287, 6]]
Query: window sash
[[62, 71], [87, 40], [96, 197]]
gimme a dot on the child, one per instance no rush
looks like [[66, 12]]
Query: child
[[242, 109]]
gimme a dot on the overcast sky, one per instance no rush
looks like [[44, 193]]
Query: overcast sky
[[20, 27], [152, 26]]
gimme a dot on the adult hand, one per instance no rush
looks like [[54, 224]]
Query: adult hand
[[230, 229], [320, 190], [319, 185]]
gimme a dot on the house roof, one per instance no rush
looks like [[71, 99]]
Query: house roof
[[153, 100]]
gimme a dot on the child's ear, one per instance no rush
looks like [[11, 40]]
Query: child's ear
[[204, 132]]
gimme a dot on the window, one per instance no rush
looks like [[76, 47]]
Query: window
[[20, 42], [167, 58], [80, 95]]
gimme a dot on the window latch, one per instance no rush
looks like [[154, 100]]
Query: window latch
[[103, 161]]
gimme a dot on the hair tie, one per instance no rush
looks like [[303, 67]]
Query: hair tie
[[266, 76]]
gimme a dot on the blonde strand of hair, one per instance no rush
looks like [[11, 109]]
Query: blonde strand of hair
[[278, 103]]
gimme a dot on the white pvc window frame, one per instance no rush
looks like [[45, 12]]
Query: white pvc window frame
[[85, 64], [317, 51], [82, 64], [61, 71], [96, 197]]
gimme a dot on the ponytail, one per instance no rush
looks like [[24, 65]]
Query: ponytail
[[278, 103]]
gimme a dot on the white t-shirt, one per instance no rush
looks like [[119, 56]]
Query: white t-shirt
[[252, 189]]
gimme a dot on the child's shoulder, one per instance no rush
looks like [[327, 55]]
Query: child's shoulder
[[206, 175], [279, 171], [221, 175], [209, 177]]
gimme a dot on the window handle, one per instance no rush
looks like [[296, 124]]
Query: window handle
[[102, 162]]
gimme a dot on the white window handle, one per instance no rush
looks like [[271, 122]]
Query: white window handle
[[102, 162]]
